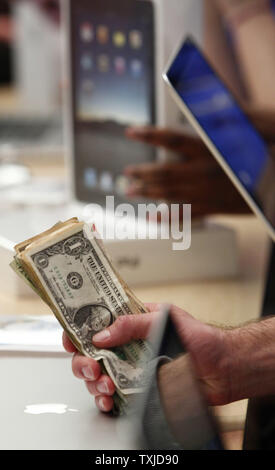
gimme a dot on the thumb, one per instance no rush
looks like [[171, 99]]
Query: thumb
[[125, 329]]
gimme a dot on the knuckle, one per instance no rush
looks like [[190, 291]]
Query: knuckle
[[121, 321], [91, 388]]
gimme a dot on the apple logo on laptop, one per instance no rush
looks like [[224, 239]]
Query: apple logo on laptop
[[56, 408]]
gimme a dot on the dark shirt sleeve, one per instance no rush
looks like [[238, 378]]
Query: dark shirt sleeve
[[156, 432]]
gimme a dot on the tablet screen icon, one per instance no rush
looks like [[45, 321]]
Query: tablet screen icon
[[119, 39], [136, 68], [90, 178], [135, 39], [103, 63], [86, 32], [120, 65], [86, 62], [102, 34]]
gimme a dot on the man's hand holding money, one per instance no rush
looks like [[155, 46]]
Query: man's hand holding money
[[209, 346]]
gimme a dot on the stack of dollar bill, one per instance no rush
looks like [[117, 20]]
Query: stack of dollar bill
[[67, 266]]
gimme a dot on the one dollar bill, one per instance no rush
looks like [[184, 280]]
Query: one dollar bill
[[67, 266]]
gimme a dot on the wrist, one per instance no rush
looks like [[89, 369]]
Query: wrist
[[251, 368]]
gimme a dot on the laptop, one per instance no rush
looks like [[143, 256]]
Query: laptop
[[44, 407]]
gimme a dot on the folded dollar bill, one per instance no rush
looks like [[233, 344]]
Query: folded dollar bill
[[67, 266]]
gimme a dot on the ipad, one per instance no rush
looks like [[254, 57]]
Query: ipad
[[224, 127], [184, 420], [112, 87]]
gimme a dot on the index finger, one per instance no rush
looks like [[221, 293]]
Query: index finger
[[68, 345], [125, 329], [168, 139], [153, 171]]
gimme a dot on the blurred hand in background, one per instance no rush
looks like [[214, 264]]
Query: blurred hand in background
[[195, 177]]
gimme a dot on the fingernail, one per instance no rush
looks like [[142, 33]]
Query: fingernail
[[88, 373], [102, 387], [130, 131], [137, 130], [101, 404], [135, 188], [131, 192], [103, 335], [127, 171]]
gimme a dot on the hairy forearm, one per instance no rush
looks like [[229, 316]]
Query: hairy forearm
[[252, 364], [241, 364]]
